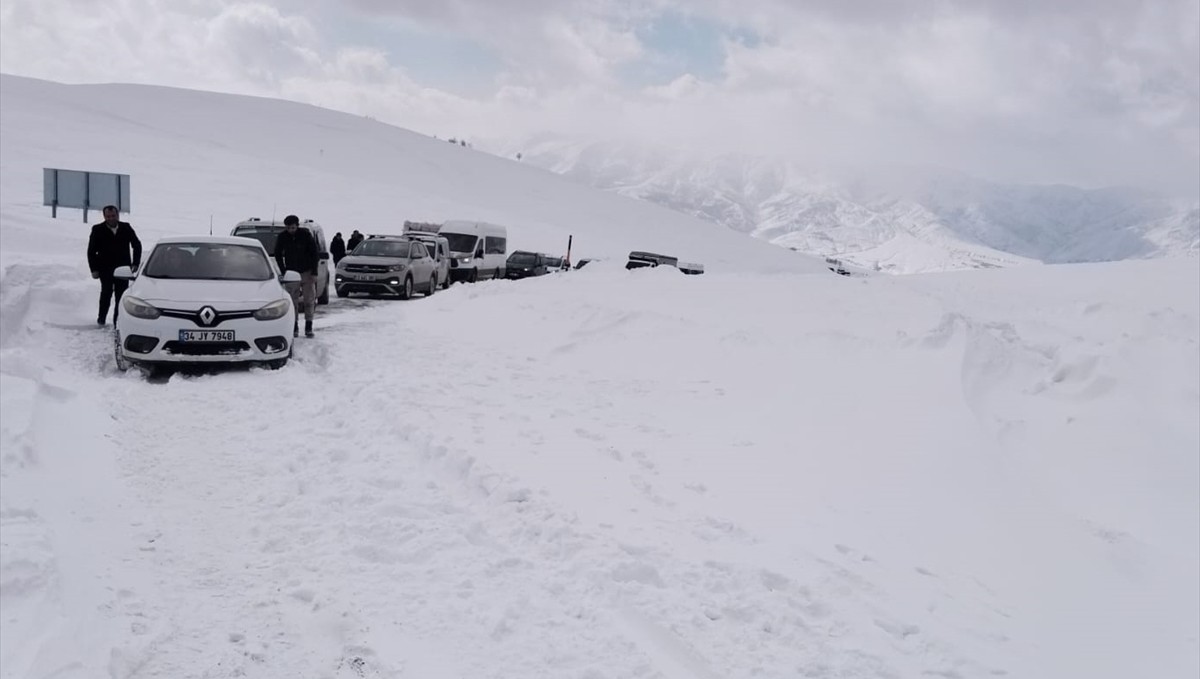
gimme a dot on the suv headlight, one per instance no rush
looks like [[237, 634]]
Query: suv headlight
[[138, 308], [397, 267], [273, 311]]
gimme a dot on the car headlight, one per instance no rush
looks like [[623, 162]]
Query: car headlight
[[273, 311], [465, 260], [138, 308], [398, 267]]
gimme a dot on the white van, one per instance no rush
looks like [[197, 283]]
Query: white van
[[478, 250], [266, 232]]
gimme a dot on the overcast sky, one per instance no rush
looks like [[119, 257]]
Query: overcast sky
[[1088, 92]]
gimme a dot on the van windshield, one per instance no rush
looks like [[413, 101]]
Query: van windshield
[[461, 242], [267, 236]]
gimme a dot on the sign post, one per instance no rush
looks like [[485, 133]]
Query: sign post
[[83, 190]]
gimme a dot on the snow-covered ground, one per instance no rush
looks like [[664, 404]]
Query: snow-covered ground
[[599, 474]]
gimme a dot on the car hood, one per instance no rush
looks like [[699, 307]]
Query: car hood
[[373, 260], [192, 294]]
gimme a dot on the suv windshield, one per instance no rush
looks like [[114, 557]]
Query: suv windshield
[[208, 261], [461, 242], [381, 248]]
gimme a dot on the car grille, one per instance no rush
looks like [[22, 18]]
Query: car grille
[[205, 348], [194, 316], [365, 268]]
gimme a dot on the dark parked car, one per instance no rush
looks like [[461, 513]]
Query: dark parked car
[[524, 264]]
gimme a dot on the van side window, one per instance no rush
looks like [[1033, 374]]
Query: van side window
[[495, 246]]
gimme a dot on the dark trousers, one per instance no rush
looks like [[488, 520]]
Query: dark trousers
[[109, 286]]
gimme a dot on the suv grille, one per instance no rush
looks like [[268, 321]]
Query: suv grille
[[366, 268]]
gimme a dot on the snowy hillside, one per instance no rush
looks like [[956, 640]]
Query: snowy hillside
[[345, 171], [903, 221], [600, 474]]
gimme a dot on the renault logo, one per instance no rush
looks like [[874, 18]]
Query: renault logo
[[207, 315]]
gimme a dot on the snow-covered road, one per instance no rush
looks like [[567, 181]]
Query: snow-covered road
[[631, 474]]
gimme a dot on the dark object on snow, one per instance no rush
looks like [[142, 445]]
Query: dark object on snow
[[639, 259], [524, 264], [835, 265]]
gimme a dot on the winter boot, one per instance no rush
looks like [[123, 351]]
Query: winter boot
[[308, 329]]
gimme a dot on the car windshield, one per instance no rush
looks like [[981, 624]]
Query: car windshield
[[381, 248], [208, 261], [461, 242], [522, 258]]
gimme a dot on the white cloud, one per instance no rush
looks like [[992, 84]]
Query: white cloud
[[1086, 92]]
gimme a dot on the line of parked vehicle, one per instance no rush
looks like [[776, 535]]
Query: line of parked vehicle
[[221, 299]]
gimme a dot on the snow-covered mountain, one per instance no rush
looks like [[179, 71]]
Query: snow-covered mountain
[[900, 219], [764, 471]]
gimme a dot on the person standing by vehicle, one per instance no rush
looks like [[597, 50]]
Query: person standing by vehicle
[[296, 250], [355, 239], [109, 247], [337, 247]]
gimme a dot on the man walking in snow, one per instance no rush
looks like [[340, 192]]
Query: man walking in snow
[[337, 248], [109, 247], [296, 250]]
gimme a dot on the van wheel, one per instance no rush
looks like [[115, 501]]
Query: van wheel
[[474, 277], [446, 283], [407, 290]]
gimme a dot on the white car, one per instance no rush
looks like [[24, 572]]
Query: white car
[[205, 299]]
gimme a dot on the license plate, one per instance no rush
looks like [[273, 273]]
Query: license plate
[[205, 335]]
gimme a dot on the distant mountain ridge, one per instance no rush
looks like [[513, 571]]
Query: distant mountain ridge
[[898, 220]]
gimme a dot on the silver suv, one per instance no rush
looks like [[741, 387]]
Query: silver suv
[[268, 232], [387, 265], [439, 249]]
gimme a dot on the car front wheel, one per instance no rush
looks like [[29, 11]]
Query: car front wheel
[[407, 290]]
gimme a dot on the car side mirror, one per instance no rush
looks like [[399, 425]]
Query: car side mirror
[[124, 273], [290, 277]]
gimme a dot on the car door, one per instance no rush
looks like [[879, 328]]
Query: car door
[[422, 265]]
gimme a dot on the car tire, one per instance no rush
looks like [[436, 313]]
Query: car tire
[[122, 363], [277, 363], [341, 292], [407, 291], [433, 284], [474, 277]]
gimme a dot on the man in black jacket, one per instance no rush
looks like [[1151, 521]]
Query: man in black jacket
[[296, 250], [108, 248]]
